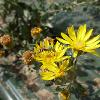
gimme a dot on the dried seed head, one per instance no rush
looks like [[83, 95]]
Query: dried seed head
[[6, 40], [2, 53], [35, 31], [27, 57]]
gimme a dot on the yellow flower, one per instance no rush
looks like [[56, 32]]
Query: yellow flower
[[81, 41], [35, 31], [52, 71], [48, 52]]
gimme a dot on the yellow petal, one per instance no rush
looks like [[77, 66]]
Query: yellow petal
[[71, 33], [50, 66], [81, 32], [47, 75], [62, 53], [41, 44], [88, 34], [66, 38], [93, 44], [88, 50], [57, 46], [63, 58], [93, 52], [93, 40], [93, 47], [48, 78], [46, 43], [62, 40]]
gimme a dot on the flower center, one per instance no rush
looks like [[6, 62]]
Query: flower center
[[79, 45], [49, 56]]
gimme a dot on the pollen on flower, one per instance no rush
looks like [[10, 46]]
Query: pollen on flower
[[6, 40], [27, 57], [36, 31]]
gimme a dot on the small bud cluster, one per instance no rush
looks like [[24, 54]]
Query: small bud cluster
[[35, 31]]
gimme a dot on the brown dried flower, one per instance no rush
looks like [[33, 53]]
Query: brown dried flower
[[28, 57], [36, 31], [5, 40]]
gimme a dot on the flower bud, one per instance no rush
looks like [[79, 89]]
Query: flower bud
[[35, 31]]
